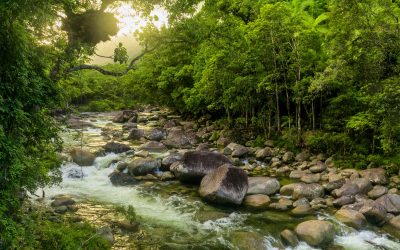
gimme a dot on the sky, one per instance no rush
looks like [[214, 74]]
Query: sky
[[128, 23]]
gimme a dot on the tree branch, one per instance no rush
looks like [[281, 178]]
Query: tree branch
[[107, 72]]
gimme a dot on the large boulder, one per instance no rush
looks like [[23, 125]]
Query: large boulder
[[263, 185], [117, 148], [121, 179], [391, 202], [157, 134], [178, 138], [82, 157], [351, 218], [374, 212], [224, 185], [144, 166], [126, 115], [196, 164], [153, 146], [316, 232], [375, 175]]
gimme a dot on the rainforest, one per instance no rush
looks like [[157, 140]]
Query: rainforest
[[199, 124]]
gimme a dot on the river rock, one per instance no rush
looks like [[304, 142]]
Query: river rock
[[395, 222], [82, 157], [336, 184], [178, 138], [296, 174], [126, 115], [318, 168], [236, 150], [115, 147], [167, 161], [257, 201], [121, 179], [310, 178], [157, 134], [374, 212], [289, 238], [223, 142], [351, 218], [128, 126], [263, 185], [76, 123], [226, 184], [106, 233], [375, 175], [263, 153], [167, 176], [62, 200], [136, 134], [154, 147], [344, 200], [391, 203], [248, 240], [288, 157], [353, 187], [196, 164], [316, 232], [143, 166], [309, 191], [302, 210], [377, 191]]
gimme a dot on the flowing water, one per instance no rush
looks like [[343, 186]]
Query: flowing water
[[173, 215]]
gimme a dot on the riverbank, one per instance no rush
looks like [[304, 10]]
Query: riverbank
[[138, 159]]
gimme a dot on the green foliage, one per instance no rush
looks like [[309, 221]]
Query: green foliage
[[128, 211], [120, 54]]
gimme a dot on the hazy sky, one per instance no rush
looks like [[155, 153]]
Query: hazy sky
[[129, 22]]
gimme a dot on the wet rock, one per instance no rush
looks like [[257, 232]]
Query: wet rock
[[196, 164], [303, 156], [157, 134], [283, 170], [315, 232], [309, 191], [374, 213], [248, 240], [318, 168], [203, 216], [167, 161], [375, 175], [257, 201], [296, 174], [143, 166], [74, 173], [344, 200], [393, 191], [122, 179], [115, 147], [136, 134], [61, 209], [377, 191], [225, 184], [125, 116], [289, 238], [332, 185], [310, 178], [106, 233], [302, 210], [288, 157], [302, 201], [167, 176], [76, 123], [288, 189], [263, 185], [263, 153], [395, 222], [353, 187], [121, 166], [148, 178], [178, 138], [82, 157], [154, 146], [391, 203], [351, 218], [127, 226]]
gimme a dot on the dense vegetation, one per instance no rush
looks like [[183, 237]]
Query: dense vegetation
[[318, 74]]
